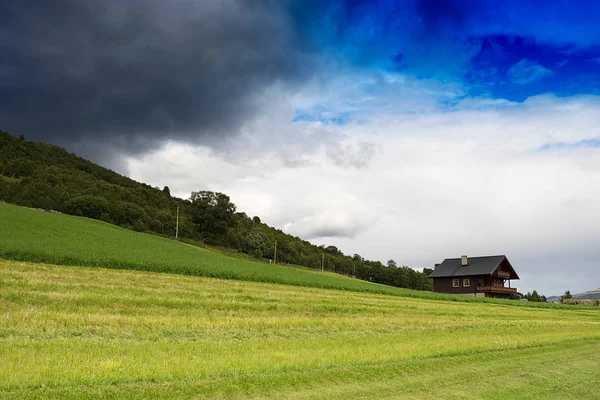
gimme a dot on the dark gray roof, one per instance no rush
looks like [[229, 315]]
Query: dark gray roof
[[475, 266]]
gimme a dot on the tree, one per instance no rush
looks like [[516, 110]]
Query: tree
[[332, 250], [215, 199], [566, 296], [392, 264], [256, 220], [127, 213], [167, 219], [19, 168], [167, 190], [255, 243], [139, 225], [88, 206], [157, 226], [214, 215]]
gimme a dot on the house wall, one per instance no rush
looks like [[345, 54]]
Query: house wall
[[444, 285]]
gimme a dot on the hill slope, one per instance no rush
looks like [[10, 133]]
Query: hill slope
[[45, 176], [32, 235], [589, 295]]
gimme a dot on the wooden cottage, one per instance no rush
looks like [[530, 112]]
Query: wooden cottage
[[475, 276]]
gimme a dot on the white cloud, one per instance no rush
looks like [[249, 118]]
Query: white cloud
[[436, 185], [526, 71]]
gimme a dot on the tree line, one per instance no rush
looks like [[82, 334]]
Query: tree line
[[44, 176], [535, 297]]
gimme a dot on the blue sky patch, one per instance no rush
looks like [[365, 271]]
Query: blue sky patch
[[324, 115], [585, 143], [506, 50]]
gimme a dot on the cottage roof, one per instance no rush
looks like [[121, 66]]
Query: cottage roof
[[475, 266]]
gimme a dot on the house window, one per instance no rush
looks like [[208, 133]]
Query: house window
[[455, 282], [466, 282], [479, 282]]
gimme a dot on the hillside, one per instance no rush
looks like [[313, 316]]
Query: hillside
[[589, 295], [32, 235], [48, 177]]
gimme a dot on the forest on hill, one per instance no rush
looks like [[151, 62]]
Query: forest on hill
[[44, 176]]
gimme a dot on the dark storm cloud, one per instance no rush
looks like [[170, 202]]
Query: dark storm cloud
[[132, 73], [102, 75]]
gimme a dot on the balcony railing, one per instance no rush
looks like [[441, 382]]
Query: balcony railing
[[500, 289]]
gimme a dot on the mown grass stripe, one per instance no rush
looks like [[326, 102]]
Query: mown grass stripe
[[72, 332]]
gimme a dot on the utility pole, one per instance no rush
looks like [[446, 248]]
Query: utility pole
[[323, 262], [275, 254], [177, 225]]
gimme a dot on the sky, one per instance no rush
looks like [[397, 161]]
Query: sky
[[408, 130]]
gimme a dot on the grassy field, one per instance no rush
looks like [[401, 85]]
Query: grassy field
[[31, 235], [79, 332], [37, 236]]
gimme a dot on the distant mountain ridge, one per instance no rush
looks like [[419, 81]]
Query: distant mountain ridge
[[590, 294]]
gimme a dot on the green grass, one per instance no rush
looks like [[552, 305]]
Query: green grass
[[31, 235], [36, 236], [79, 332]]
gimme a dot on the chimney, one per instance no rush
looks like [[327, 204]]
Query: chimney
[[464, 261]]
